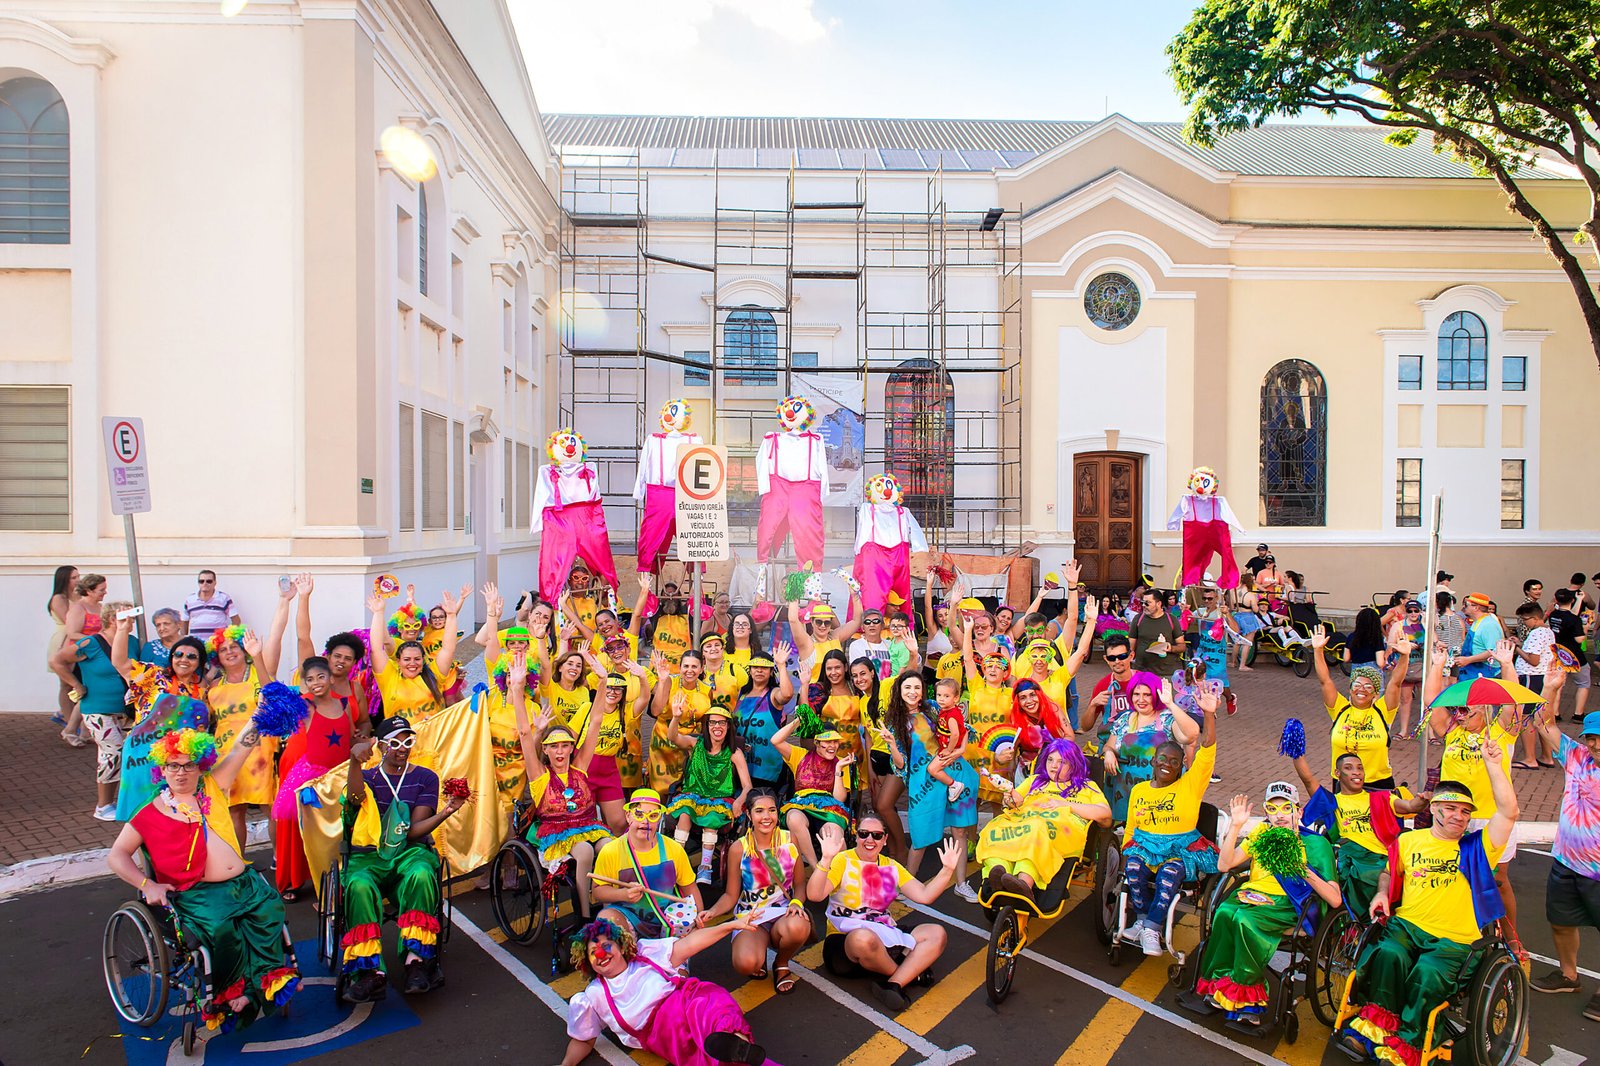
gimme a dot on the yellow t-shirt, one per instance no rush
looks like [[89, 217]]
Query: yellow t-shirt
[[1355, 821], [987, 707], [666, 867], [949, 667], [672, 638], [1463, 762], [820, 651], [1436, 898], [726, 683], [1175, 808], [585, 608], [844, 714], [697, 699], [611, 727], [232, 706], [885, 690], [1055, 687], [409, 696], [863, 886], [1365, 732], [738, 656], [597, 644], [565, 703]]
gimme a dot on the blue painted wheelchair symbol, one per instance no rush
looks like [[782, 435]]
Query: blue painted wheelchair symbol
[[315, 1024]]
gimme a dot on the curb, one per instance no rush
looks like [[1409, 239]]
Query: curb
[[51, 871]]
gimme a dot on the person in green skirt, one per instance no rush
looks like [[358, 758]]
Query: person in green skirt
[[1362, 823], [705, 795], [1287, 868]]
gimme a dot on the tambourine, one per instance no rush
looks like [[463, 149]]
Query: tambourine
[[387, 586], [680, 915]]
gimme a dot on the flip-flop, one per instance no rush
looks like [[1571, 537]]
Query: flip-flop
[[783, 980], [1524, 766], [1546, 765], [58, 720], [759, 975]]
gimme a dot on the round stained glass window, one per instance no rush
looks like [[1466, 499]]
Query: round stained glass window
[[1112, 301]]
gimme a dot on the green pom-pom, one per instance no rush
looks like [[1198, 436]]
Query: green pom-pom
[[1279, 851], [811, 722], [794, 586]]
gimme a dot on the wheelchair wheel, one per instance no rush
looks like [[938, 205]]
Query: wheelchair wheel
[[1220, 886], [446, 911], [1333, 960], [189, 1030], [138, 964], [520, 907], [1497, 1015], [1300, 658], [328, 931], [1000, 965], [1284, 656], [1107, 885]]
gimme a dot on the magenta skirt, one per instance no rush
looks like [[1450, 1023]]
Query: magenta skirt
[[693, 1011]]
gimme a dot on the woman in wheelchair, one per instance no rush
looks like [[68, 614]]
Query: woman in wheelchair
[[821, 783], [765, 894], [1287, 867], [566, 816], [390, 813], [197, 870], [1161, 843], [1448, 900], [1045, 823], [1361, 822]]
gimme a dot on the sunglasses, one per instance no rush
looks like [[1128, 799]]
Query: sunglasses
[[572, 803], [871, 834], [207, 581], [1115, 658], [185, 656], [404, 743], [872, 621], [1279, 807]]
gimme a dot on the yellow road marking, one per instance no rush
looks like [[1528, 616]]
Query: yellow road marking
[[881, 1049], [1307, 1051], [496, 934], [1112, 1023], [753, 993], [569, 985], [946, 994], [646, 1058]]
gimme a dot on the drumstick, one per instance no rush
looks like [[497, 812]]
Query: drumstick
[[629, 884]]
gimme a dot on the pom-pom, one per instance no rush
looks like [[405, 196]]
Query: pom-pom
[[500, 674], [811, 722], [794, 586], [456, 788], [1293, 741], [1279, 851], [280, 710]]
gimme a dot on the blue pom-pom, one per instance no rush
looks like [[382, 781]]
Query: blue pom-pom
[[280, 712], [1293, 741]]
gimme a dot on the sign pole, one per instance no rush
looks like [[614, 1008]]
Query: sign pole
[[1430, 618], [133, 572]]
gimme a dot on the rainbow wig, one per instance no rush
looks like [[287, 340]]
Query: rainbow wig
[[619, 935], [409, 616], [500, 674], [1072, 761], [185, 744], [225, 635]]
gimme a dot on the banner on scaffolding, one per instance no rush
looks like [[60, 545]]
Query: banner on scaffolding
[[842, 423]]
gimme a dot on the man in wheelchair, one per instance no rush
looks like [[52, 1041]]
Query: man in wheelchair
[[197, 870], [1437, 896], [1287, 868], [390, 813]]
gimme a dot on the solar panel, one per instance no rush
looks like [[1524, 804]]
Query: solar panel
[[902, 159], [819, 159], [1016, 159], [982, 158]]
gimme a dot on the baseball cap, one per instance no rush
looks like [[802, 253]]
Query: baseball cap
[[391, 725], [1591, 725], [1282, 790], [1263, 547], [1444, 575], [1413, 605], [829, 734]]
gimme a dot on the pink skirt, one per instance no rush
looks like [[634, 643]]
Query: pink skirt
[[681, 1023], [881, 570]]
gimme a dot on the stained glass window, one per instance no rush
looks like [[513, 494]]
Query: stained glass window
[[1463, 353], [750, 347], [1294, 445], [919, 403], [1112, 301], [33, 163]]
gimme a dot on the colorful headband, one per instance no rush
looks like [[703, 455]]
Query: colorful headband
[[185, 745], [225, 635], [408, 616], [644, 797], [1453, 794], [995, 657]]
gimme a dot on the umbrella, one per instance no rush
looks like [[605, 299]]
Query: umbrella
[[1485, 691]]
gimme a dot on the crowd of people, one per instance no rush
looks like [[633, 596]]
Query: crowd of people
[[782, 780]]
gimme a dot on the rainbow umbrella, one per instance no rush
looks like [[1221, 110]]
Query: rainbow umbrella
[[1484, 691]]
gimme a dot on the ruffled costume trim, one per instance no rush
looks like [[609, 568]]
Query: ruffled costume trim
[[1231, 996], [363, 948], [819, 804], [279, 985], [707, 812], [419, 933], [556, 846]]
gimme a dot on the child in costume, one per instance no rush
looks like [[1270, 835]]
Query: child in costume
[[792, 477], [705, 795], [643, 858], [657, 484], [886, 535], [637, 991], [1206, 521], [390, 813], [567, 509], [765, 894], [1045, 823], [821, 783], [952, 733], [196, 869], [1287, 866]]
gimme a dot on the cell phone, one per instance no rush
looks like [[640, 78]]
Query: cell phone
[[131, 612], [284, 584]]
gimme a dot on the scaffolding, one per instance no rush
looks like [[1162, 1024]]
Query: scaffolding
[[921, 381]]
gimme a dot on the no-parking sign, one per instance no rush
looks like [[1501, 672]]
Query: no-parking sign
[[702, 503], [127, 464]]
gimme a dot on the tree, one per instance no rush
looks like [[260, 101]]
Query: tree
[[1496, 83]]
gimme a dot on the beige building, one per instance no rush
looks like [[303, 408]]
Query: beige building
[[1040, 326]]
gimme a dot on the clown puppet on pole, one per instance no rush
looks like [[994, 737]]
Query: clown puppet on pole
[[657, 484], [791, 476], [1207, 523], [886, 535], [568, 511]]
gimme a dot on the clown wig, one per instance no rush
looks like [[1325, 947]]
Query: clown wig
[[226, 635], [1073, 764], [619, 935], [185, 745], [409, 616]]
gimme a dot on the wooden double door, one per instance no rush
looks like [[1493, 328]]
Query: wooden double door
[[1108, 519]]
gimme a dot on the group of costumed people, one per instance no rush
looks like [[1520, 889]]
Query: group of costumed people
[[787, 769]]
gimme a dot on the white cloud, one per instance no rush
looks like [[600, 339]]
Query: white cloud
[[793, 20]]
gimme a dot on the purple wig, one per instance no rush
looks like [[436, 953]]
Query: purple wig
[[1153, 682], [1072, 759]]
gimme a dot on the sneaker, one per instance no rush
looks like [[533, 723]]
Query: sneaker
[[954, 792], [416, 978], [1134, 933], [1592, 1010], [1555, 981], [370, 987], [703, 874], [1150, 941], [108, 813], [891, 995], [965, 891], [1216, 779]]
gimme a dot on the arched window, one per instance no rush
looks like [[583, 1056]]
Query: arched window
[[919, 438], [1463, 353], [1294, 445], [33, 163], [750, 347]]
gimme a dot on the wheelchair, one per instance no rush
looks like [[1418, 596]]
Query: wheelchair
[[146, 954], [1008, 915], [331, 917], [1191, 899], [526, 896], [1487, 1015]]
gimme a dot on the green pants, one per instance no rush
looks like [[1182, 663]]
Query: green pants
[[240, 922], [1358, 875], [410, 877], [1242, 941], [1408, 973]]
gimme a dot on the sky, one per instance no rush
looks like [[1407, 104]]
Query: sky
[[861, 58]]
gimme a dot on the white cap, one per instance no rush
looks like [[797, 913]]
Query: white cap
[[1282, 790]]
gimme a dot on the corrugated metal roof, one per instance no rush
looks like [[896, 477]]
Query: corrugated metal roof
[[986, 144]]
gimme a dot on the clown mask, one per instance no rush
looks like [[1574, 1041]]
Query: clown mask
[[1203, 482], [565, 447], [884, 488], [796, 415], [676, 416]]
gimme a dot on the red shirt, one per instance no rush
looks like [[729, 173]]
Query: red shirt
[[952, 723], [1115, 708]]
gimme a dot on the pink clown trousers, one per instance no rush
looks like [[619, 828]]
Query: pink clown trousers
[[573, 531], [881, 570], [682, 1021], [1200, 539], [794, 508], [659, 525]]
